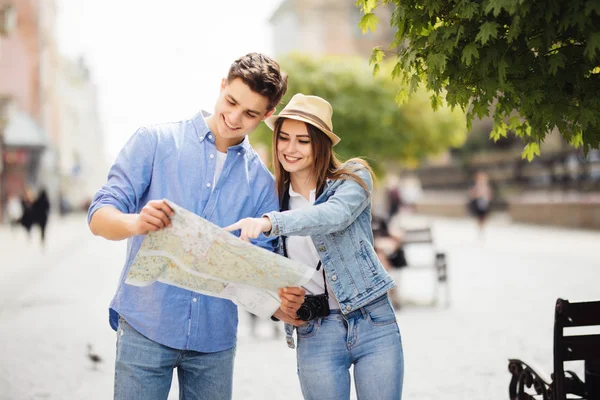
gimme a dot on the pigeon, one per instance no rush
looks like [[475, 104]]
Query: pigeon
[[94, 358]]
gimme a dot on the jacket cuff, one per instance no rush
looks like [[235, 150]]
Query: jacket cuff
[[276, 224]]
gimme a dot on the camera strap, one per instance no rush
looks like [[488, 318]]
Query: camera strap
[[285, 206]]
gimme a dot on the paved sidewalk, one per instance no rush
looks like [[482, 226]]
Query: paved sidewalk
[[503, 288], [23, 258]]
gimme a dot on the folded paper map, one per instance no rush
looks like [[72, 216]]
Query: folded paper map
[[197, 255]]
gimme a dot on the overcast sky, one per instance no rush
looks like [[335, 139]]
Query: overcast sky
[[156, 60]]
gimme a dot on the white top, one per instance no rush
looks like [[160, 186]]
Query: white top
[[220, 161], [302, 249]]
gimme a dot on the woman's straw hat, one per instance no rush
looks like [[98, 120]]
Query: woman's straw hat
[[310, 109]]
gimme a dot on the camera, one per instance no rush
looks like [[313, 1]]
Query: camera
[[314, 306]]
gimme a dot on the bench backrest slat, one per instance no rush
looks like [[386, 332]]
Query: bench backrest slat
[[581, 347], [578, 314]]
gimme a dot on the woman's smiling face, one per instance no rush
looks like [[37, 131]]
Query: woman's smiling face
[[294, 147]]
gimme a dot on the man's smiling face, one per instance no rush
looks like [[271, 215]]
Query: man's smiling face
[[238, 111]]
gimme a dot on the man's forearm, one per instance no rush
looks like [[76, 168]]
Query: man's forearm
[[113, 224]]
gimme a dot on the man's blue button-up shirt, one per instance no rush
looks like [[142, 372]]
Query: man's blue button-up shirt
[[176, 161]]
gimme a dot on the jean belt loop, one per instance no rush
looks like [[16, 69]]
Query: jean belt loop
[[364, 312]]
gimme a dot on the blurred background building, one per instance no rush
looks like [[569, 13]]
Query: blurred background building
[[82, 166], [49, 133], [326, 27]]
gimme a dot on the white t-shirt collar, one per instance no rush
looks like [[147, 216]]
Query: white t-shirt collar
[[295, 194]]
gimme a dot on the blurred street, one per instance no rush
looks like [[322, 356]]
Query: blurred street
[[503, 286]]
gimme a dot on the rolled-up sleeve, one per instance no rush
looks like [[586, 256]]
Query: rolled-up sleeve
[[129, 176]]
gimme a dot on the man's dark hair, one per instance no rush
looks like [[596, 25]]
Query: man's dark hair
[[262, 74]]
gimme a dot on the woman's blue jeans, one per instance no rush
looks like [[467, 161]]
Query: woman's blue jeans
[[144, 369], [367, 338]]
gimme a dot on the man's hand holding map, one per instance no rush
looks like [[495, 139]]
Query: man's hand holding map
[[197, 255]]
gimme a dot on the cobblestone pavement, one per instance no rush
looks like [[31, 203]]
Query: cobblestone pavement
[[503, 286]]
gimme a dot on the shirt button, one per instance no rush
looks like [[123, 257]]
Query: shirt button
[[334, 278], [239, 152], [210, 136], [208, 185], [212, 156], [348, 308], [194, 299], [321, 248]]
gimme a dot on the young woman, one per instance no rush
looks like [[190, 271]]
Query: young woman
[[346, 318], [480, 195]]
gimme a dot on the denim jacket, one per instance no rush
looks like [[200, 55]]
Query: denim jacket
[[339, 224]]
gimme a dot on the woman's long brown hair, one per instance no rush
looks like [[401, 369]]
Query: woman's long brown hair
[[327, 165]]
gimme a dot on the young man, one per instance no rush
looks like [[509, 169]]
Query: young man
[[206, 165]]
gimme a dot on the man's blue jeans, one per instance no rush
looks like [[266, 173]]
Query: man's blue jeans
[[367, 338], [144, 369]]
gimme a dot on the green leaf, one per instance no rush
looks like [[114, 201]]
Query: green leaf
[[436, 101], [414, 82], [469, 9], [397, 71], [524, 130], [502, 66], [402, 97], [368, 22], [486, 31], [577, 140], [376, 69], [480, 109], [470, 52], [376, 56], [586, 118], [436, 62], [494, 7], [593, 45], [499, 131], [515, 29], [556, 61], [530, 151], [367, 5], [459, 35], [514, 122], [536, 96]]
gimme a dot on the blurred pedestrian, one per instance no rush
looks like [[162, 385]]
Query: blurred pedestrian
[[393, 196], [388, 246], [325, 223], [206, 165], [40, 209], [26, 219], [480, 197]]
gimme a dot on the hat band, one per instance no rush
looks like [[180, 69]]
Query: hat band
[[310, 116]]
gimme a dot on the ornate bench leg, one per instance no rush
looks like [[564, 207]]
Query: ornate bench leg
[[524, 377]]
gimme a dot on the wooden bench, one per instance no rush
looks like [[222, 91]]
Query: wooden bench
[[528, 382]]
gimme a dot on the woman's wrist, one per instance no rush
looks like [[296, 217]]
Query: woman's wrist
[[267, 225]]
